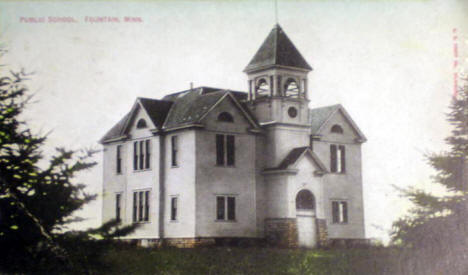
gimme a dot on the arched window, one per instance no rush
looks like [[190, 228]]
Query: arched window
[[336, 129], [141, 124], [262, 88], [291, 89], [225, 117], [305, 200]]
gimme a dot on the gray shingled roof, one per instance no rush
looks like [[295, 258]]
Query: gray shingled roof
[[116, 130], [294, 155], [319, 116], [177, 109], [277, 49], [156, 109]]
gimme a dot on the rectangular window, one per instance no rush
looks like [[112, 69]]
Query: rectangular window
[[147, 154], [135, 155], [337, 159], [225, 150], [142, 155], [220, 149], [342, 157], [174, 148], [141, 206], [118, 206], [146, 214], [230, 150], [135, 206], [173, 208], [231, 208], [339, 211], [225, 208], [119, 159], [220, 208]]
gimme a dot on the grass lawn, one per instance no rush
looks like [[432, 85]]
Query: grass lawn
[[223, 260]]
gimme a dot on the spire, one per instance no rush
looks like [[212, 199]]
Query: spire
[[277, 50]]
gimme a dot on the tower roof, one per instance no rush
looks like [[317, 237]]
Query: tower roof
[[277, 49]]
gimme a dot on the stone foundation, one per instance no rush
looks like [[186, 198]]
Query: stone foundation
[[349, 243], [322, 233], [281, 232], [189, 242], [196, 242]]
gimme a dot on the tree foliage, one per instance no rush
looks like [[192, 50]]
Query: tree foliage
[[38, 197], [436, 230]]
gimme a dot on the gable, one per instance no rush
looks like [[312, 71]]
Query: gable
[[134, 129], [153, 111], [340, 119], [297, 158], [324, 118], [227, 106]]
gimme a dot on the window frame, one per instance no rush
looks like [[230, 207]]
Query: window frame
[[174, 150], [225, 150], [174, 208], [226, 208], [337, 158], [226, 117], [141, 206], [118, 207], [340, 211], [142, 155], [118, 164], [141, 124], [337, 129]]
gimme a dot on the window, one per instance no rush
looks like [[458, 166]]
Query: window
[[337, 159], [141, 124], [305, 200], [225, 117], [225, 150], [141, 206], [118, 206], [291, 89], [262, 88], [119, 159], [141, 154], [174, 148], [336, 129], [173, 208], [225, 208], [340, 211], [292, 112], [147, 154]]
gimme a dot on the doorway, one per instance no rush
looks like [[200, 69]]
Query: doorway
[[305, 217]]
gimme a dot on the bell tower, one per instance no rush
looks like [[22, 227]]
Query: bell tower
[[277, 77]]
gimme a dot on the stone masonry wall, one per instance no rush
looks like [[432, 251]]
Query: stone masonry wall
[[281, 232], [322, 233]]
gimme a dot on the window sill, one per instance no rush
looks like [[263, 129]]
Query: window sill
[[142, 170], [141, 222], [225, 166], [175, 166], [173, 221], [228, 221], [339, 223]]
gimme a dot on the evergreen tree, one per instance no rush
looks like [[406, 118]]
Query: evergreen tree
[[436, 231], [37, 203]]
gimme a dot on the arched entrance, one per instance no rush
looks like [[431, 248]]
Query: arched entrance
[[305, 216]]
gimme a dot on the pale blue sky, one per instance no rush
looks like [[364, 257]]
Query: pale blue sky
[[389, 63]]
